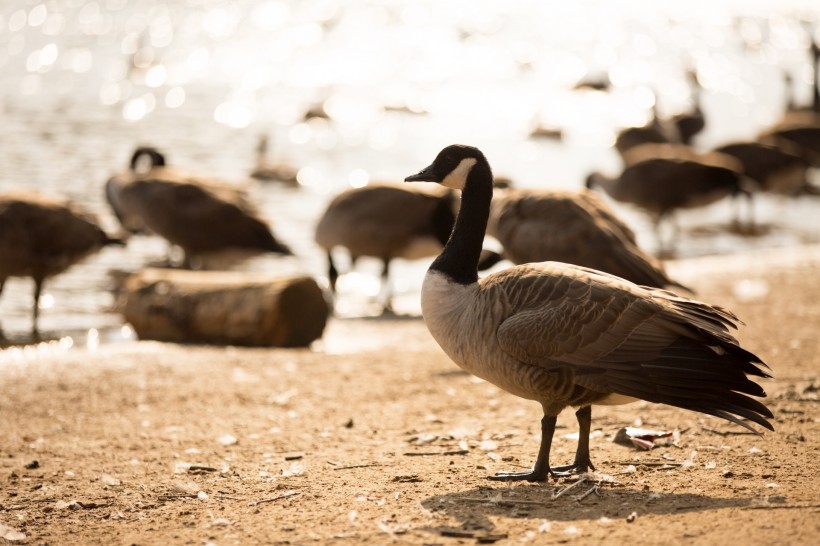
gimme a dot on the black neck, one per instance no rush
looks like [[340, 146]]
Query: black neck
[[459, 259], [815, 58]]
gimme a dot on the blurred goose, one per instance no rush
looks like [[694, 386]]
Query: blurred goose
[[662, 185], [388, 221], [272, 172], [564, 335], [42, 236], [572, 227], [201, 216], [632, 137], [804, 138], [656, 131], [800, 126], [690, 123], [797, 115], [776, 169]]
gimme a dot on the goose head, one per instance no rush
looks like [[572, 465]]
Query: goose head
[[454, 167], [155, 158]]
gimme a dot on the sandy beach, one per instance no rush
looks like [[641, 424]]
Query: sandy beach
[[374, 437]]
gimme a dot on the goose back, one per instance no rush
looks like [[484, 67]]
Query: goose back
[[41, 236], [661, 185], [777, 169], [388, 221], [571, 227], [200, 215]]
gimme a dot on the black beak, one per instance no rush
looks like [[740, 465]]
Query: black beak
[[424, 175]]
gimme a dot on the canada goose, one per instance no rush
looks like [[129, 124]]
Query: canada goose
[[776, 169], [42, 236], [631, 137], [801, 115], [575, 227], [656, 131], [800, 125], [200, 216], [806, 138], [272, 172], [662, 185], [692, 122], [388, 221], [564, 335], [592, 82]]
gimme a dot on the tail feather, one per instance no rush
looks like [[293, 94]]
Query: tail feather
[[693, 376]]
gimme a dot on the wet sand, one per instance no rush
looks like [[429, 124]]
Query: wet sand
[[374, 437]]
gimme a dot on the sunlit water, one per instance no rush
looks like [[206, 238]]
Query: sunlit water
[[83, 82]]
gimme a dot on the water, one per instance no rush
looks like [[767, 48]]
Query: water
[[83, 82]]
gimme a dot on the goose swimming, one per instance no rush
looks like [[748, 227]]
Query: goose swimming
[[565, 335]]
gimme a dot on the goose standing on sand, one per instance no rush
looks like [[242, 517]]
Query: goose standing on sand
[[42, 236], [575, 227], [662, 185], [388, 221], [564, 335], [775, 169], [200, 216]]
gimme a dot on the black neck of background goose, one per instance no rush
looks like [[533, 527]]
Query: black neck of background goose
[[459, 259]]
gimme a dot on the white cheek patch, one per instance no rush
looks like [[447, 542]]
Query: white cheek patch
[[457, 179]]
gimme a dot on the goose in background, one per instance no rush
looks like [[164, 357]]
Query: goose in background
[[575, 227], [690, 123], [388, 221], [662, 185], [796, 115], [800, 126], [272, 172], [775, 169], [564, 335], [805, 139], [656, 131], [201, 216], [594, 82], [41, 236]]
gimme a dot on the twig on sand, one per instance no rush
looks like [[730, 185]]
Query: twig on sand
[[780, 507], [482, 537], [435, 453], [335, 466], [560, 492], [502, 501], [725, 433], [594, 489], [177, 496], [648, 463], [276, 498]]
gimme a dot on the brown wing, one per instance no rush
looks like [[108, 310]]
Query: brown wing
[[576, 228], [618, 337]]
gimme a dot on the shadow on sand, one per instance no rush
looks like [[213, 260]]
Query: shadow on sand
[[474, 507]]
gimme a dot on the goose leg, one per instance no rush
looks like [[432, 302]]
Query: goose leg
[[38, 287], [2, 283], [541, 469], [388, 292], [582, 462], [332, 272]]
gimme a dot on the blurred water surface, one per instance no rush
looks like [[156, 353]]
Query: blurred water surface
[[82, 82]]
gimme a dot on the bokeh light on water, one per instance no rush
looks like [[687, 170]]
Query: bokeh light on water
[[351, 92]]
